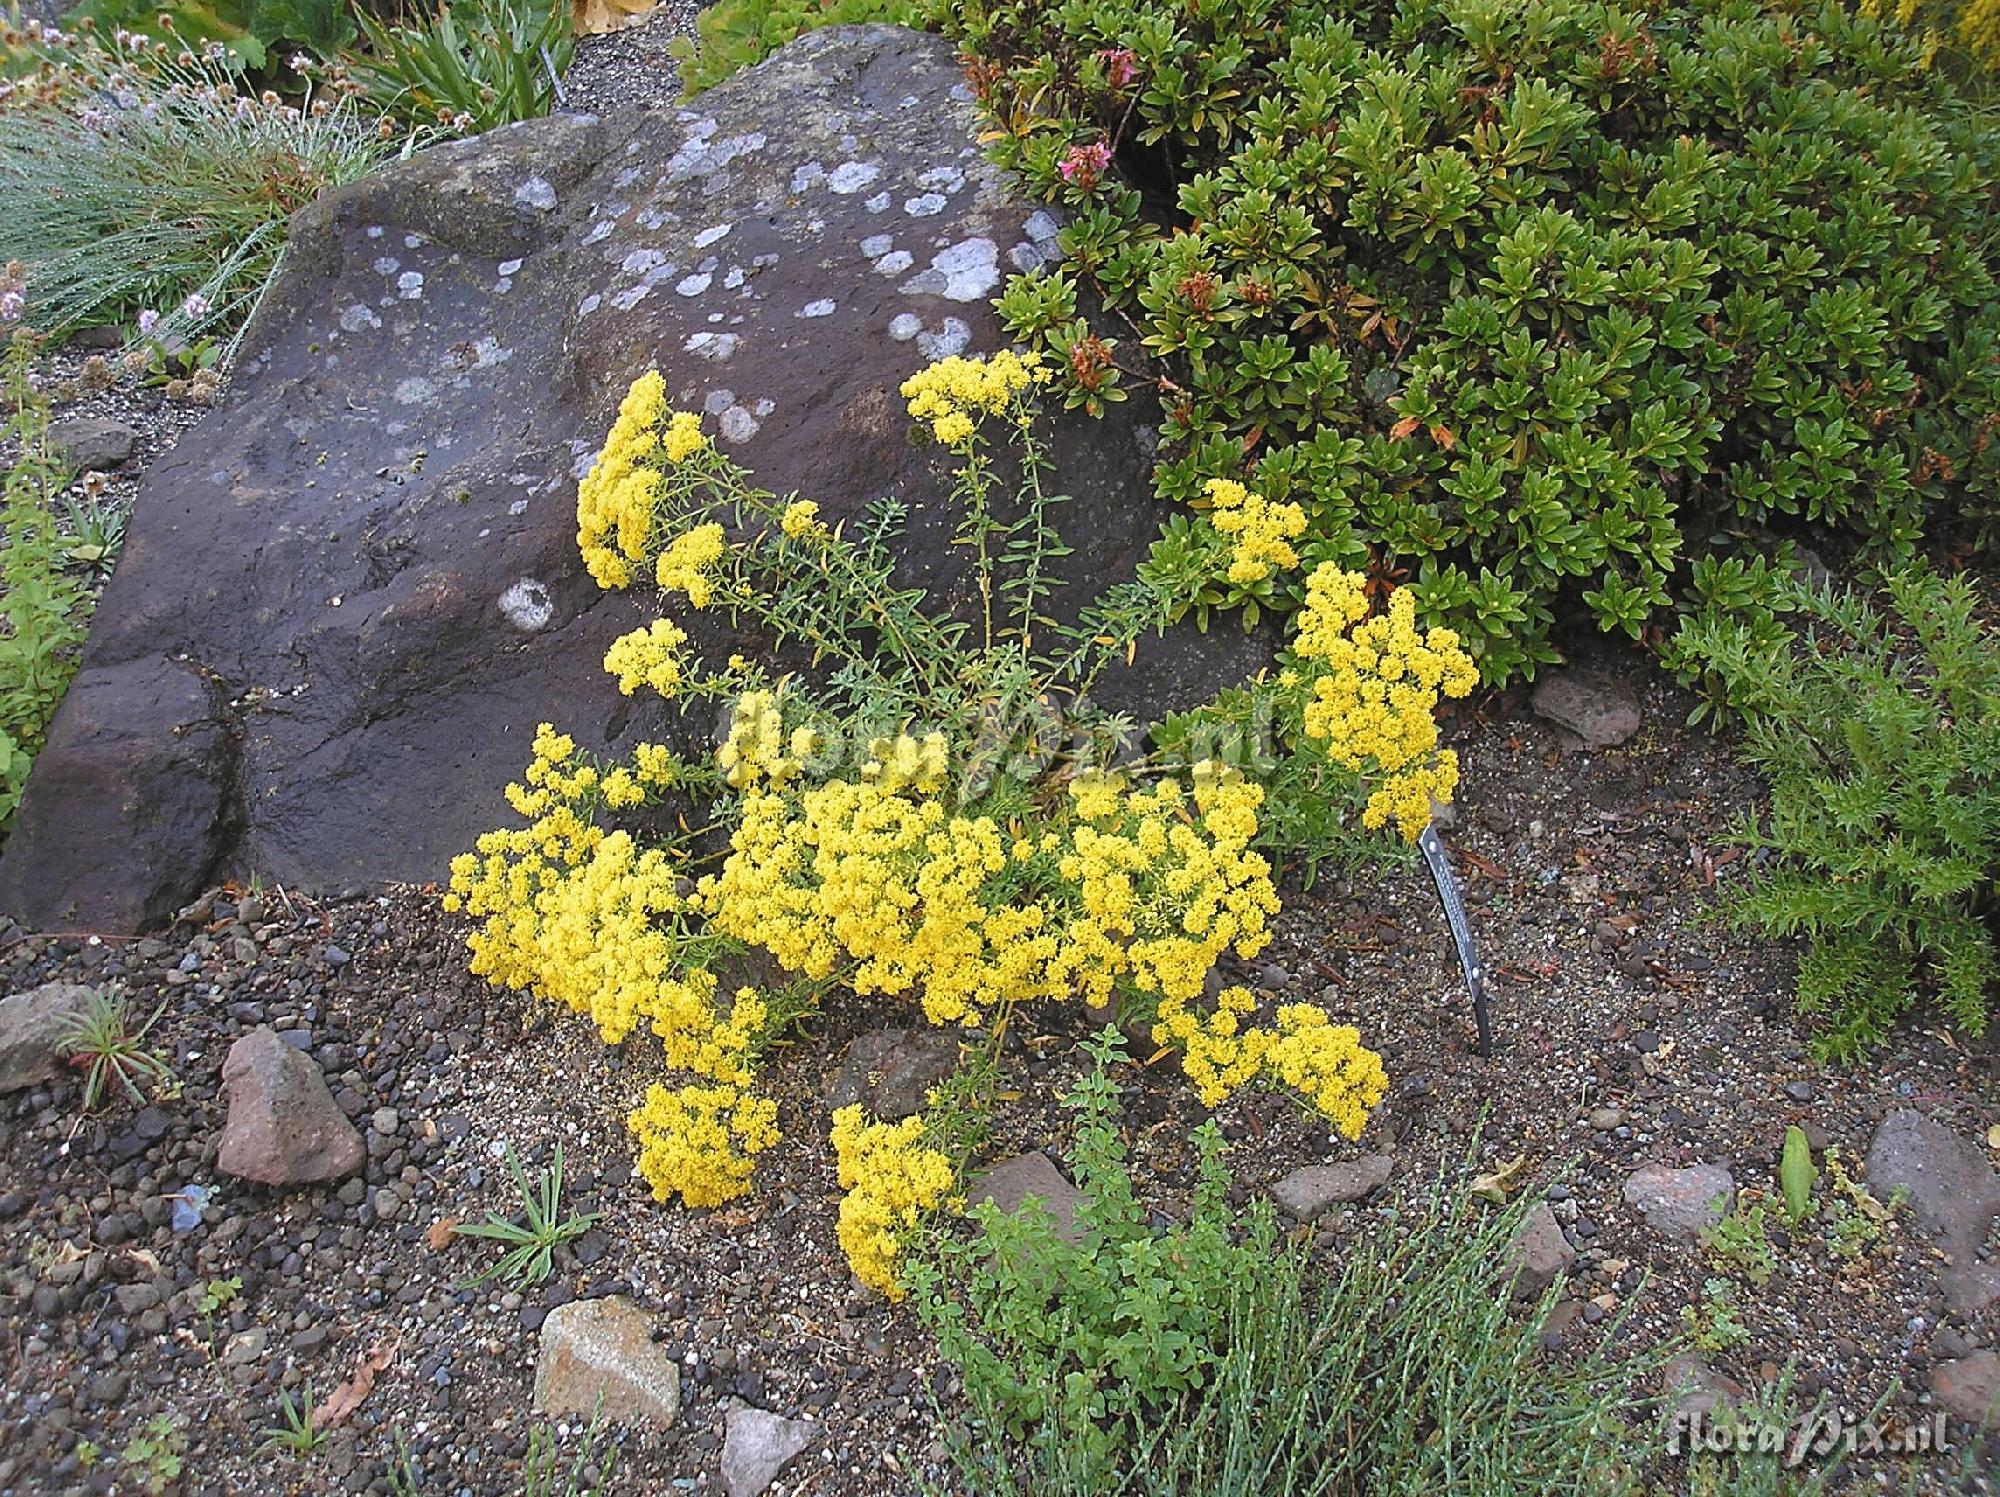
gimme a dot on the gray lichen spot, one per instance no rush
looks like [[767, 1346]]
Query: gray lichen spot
[[904, 326], [410, 285], [807, 177], [1041, 226], [357, 317], [962, 93], [527, 605], [641, 260], [852, 176], [589, 304], [823, 307], [895, 262], [537, 194], [508, 268], [518, 507], [763, 408], [877, 245], [952, 337], [373, 231], [716, 346], [880, 202], [388, 265], [718, 401], [604, 228], [414, 391], [488, 351], [734, 278], [711, 234], [927, 206], [1025, 257], [966, 271], [694, 285], [943, 179], [413, 241], [631, 296]]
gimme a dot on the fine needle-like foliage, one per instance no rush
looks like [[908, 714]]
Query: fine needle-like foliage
[[1879, 730]]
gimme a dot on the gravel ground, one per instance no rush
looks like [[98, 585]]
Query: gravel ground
[[630, 68], [1586, 874]]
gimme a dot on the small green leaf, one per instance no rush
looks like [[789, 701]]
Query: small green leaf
[[1796, 1174]]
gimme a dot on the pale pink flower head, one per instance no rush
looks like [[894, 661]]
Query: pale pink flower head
[[148, 320], [1081, 166], [195, 307], [1121, 65]]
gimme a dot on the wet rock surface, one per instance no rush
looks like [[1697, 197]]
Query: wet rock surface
[[348, 596]]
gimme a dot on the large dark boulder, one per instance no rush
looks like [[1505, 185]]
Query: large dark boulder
[[349, 595]]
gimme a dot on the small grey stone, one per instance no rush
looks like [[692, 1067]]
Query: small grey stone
[[1680, 1202], [31, 1030], [1600, 709], [1310, 1192], [1697, 1388], [93, 441], [385, 1120], [1604, 1119], [1799, 1091], [758, 1445]]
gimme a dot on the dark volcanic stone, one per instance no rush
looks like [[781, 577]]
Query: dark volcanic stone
[[889, 1071], [349, 595]]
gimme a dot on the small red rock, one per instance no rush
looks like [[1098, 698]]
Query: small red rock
[[284, 1127]]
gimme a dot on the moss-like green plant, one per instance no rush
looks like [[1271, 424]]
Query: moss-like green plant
[[733, 34]]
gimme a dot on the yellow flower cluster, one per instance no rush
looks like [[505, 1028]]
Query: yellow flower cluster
[[754, 750], [955, 392], [649, 657], [684, 564], [1328, 1065], [1217, 1053], [891, 1179], [1323, 1061], [878, 873], [801, 521], [904, 762], [585, 918], [700, 1142], [616, 500], [1375, 694], [1261, 531]]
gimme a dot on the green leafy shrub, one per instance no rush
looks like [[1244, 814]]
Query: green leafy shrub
[[473, 67], [1210, 1358], [1519, 297], [42, 610], [732, 34], [138, 182], [1879, 730]]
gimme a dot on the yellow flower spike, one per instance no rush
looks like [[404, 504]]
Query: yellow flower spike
[[891, 1179]]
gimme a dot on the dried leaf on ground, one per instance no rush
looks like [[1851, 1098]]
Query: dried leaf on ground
[[598, 17], [345, 1399]]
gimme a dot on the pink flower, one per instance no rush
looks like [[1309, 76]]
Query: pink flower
[[1082, 165], [195, 307], [1121, 65], [148, 320]]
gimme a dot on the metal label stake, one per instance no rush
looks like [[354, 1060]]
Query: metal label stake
[[1461, 930]]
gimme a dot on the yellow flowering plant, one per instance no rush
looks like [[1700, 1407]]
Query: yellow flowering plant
[[871, 824]]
